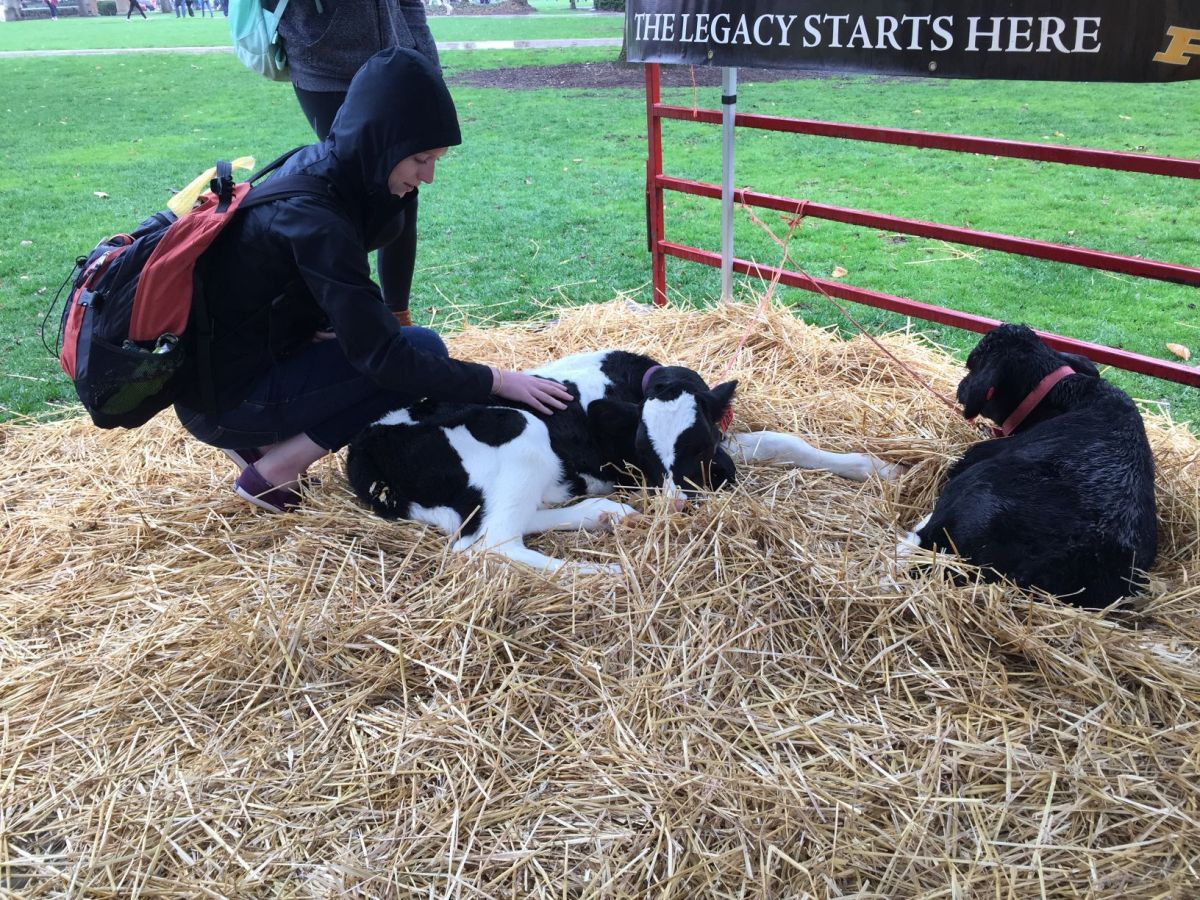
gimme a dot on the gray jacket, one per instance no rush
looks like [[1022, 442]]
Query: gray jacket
[[327, 41]]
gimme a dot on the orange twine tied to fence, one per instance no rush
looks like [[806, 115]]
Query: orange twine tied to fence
[[784, 244]]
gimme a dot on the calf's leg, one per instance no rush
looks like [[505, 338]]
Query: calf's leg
[[592, 514], [512, 512], [514, 549], [773, 446]]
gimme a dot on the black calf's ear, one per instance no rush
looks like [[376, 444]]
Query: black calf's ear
[[614, 416], [1081, 364], [719, 398], [974, 391]]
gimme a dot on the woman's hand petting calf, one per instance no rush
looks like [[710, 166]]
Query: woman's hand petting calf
[[539, 394]]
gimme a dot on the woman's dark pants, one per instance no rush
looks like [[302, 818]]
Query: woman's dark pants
[[315, 392]]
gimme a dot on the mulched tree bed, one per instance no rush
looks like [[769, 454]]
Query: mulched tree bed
[[613, 75]]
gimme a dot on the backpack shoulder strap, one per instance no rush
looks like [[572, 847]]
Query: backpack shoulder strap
[[282, 186], [278, 187], [275, 163]]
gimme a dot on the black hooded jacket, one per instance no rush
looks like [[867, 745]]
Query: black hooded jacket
[[288, 268]]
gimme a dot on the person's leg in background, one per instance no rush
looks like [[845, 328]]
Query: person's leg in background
[[396, 263], [319, 108]]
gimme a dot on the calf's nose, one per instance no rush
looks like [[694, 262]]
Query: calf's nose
[[675, 496]]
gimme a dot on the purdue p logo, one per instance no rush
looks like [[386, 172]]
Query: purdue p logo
[[1185, 43]]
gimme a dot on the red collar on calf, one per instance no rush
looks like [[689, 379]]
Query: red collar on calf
[[722, 423], [726, 418], [1029, 404]]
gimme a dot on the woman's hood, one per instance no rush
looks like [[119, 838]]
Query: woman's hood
[[397, 105]]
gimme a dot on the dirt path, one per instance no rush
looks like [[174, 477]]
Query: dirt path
[[550, 43], [578, 75], [611, 75]]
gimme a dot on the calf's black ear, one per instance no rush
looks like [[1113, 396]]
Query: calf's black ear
[[719, 398], [614, 416], [1081, 364], [973, 393]]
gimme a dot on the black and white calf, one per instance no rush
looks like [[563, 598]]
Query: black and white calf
[[1063, 500], [490, 474]]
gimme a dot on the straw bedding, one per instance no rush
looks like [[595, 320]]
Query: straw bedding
[[202, 700]]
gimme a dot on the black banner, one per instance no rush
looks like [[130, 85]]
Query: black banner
[[1047, 40]]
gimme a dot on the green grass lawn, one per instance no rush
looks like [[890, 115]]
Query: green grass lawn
[[165, 30], [1130, 214], [543, 204]]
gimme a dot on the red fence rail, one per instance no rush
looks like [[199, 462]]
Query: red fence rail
[[657, 183]]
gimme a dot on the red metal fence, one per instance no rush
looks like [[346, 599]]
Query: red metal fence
[[657, 182]]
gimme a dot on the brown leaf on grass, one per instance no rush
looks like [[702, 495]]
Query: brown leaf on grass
[[1181, 351], [839, 272]]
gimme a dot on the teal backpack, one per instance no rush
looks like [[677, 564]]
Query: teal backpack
[[254, 26]]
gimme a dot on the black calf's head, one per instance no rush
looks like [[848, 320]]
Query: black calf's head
[[1006, 366], [674, 437]]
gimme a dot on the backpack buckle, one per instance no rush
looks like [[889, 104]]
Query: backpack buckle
[[221, 184]]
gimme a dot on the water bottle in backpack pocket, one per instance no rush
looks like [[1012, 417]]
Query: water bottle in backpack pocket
[[121, 380]]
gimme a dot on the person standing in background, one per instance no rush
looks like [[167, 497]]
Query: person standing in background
[[326, 44], [52, 5], [133, 4]]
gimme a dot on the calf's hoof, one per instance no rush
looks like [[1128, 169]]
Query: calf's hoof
[[611, 569], [885, 470], [602, 513]]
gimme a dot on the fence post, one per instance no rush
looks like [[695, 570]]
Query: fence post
[[728, 112], [654, 193]]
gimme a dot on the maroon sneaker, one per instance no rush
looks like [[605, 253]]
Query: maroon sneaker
[[253, 487]]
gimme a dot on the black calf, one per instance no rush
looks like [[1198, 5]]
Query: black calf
[[1065, 500]]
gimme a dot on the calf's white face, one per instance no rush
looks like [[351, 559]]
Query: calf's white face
[[678, 438], [663, 424]]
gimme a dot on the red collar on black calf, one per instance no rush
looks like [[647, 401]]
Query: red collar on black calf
[[1029, 404]]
